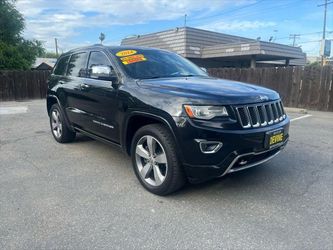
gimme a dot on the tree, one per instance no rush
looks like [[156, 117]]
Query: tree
[[11, 22], [315, 64], [102, 37], [15, 51]]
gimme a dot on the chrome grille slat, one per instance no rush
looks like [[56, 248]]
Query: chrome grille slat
[[277, 105], [279, 111], [257, 116], [243, 117], [275, 114], [248, 118], [263, 115], [260, 115], [270, 114], [282, 110], [253, 116]]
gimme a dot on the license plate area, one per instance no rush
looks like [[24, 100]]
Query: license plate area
[[274, 138]]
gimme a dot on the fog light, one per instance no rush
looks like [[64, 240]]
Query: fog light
[[209, 147]]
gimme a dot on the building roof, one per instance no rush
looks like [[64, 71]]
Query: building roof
[[40, 60], [197, 43]]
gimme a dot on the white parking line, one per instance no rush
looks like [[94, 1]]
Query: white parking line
[[301, 117], [13, 110]]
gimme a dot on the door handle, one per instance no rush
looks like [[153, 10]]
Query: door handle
[[84, 86]]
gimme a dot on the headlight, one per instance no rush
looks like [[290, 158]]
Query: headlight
[[205, 112]]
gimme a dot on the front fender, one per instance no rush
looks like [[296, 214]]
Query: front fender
[[50, 100], [168, 122]]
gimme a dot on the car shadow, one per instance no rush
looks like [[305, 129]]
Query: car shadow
[[249, 180], [82, 138], [254, 179]]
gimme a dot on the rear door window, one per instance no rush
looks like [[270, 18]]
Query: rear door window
[[60, 68], [98, 58], [77, 65]]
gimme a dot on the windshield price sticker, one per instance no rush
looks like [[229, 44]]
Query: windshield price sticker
[[133, 59], [126, 52]]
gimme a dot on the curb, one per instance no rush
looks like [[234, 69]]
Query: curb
[[295, 110]]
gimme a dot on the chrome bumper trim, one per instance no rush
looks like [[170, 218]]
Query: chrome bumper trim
[[232, 170]]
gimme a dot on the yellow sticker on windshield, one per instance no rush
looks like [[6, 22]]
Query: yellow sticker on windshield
[[133, 59], [126, 52]]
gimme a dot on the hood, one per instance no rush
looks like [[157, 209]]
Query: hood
[[220, 90]]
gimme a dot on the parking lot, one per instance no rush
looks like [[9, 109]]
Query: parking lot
[[85, 195]]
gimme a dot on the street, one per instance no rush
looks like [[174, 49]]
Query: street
[[85, 195]]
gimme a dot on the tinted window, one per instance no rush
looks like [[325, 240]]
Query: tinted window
[[144, 64], [61, 66], [77, 65], [97, 58]]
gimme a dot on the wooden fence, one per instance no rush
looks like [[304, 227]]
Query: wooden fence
[[20, 85], [301, 87]]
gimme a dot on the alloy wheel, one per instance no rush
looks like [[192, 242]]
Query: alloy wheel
[[151, 160], [56, 123]]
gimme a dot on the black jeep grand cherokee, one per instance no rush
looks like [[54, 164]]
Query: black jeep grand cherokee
[[176, 122]]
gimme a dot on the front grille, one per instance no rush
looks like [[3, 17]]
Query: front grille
[[260, 115]]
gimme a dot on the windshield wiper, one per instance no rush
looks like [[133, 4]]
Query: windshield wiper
[[189, 75]]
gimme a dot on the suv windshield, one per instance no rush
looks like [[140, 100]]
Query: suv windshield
[[148, 64]]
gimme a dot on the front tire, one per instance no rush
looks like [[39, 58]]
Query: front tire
[[155, 160], [60, 131]]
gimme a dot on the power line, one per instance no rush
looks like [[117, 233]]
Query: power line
[[268, 9], [302, 34], [257, 12], [230, 11], [298, 36], [312, 41], [239, 9]]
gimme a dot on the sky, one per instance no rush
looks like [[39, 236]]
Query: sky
[[79, 22]]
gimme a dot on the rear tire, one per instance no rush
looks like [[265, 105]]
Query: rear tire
[[60, 131], [155, 160]]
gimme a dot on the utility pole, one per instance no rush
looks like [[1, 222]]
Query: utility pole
[[185, 20], [56, 45], [294, 37], [324, 26]]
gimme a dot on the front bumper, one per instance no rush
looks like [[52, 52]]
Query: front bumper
[[241, 149]]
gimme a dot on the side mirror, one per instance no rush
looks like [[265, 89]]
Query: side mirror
[[103, 72]]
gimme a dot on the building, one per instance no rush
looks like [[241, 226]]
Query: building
[[44, 63], [212, 49]]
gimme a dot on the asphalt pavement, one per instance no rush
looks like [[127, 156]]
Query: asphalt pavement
[[84, 195]]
